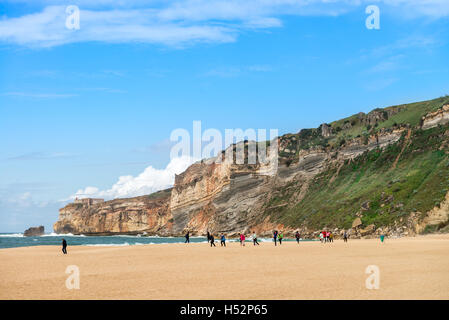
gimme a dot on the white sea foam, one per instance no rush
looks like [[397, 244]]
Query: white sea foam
[[62, 235], [117, 244], [108, 244], [12, 235]]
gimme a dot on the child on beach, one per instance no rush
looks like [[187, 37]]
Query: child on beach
[[275, 237], [345, 237], [223, 240], [297, 236], [321, 237]]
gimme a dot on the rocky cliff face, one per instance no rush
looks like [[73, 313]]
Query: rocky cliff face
[[120, 216], [220, 197], [438, 117], [231, 198]]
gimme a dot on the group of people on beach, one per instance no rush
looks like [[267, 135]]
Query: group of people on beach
[[241, 238], [277, 237], [326, 236]]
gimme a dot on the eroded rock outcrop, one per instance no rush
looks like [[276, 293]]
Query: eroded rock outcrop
[[436, 216], [34, 231], [433, 119]]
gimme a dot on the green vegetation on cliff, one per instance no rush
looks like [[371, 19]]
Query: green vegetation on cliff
[[382, 185]]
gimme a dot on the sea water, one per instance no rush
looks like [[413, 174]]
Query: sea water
[[13, 240]]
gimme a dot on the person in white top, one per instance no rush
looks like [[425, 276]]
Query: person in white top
[[255, 238]]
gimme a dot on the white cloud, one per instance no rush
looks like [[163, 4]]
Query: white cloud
[[380, 84], [43, 156], [25, 200], [179, 23], [149, 181], [47, 28], [387, 65], [233, 71]]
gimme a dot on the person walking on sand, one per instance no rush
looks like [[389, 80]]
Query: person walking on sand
[[64, 246], [255, 238], [223, 240], [208, 236], [280, 237], [187, 237], [345, 236], [297, 236], [275, 237], [212, 240], [242, 239]]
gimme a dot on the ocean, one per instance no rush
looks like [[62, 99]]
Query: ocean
[[14, 240]]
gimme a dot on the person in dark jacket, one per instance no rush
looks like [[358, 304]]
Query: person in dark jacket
[[223, 240], [187, 237], [297, 236], [64, 246], [212, 240]]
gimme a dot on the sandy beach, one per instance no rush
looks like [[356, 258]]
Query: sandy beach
[[410, 268]]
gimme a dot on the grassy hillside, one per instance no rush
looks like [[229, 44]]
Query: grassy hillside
[[369, 185], [357, 126]]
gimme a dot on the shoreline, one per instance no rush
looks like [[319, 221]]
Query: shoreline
[[217, 242]]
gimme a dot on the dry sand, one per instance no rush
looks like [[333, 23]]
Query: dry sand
[[410, 268]]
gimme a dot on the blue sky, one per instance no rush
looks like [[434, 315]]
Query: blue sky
[[82, 108]]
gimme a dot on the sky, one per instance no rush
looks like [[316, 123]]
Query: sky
[[89, 111]]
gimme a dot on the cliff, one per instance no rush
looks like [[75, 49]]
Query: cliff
[[388, 168], [120, 216]]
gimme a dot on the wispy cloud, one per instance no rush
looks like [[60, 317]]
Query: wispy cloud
[[43, 156], [427, 42], [163, 146], [107, 90], [39, 95], [180, 23], [233, 71], [380, 84], [47, 95], [386, 65]]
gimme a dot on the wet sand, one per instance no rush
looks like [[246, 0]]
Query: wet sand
[[410, 268]]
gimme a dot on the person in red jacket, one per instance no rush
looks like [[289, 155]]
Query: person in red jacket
[[242, 239]]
